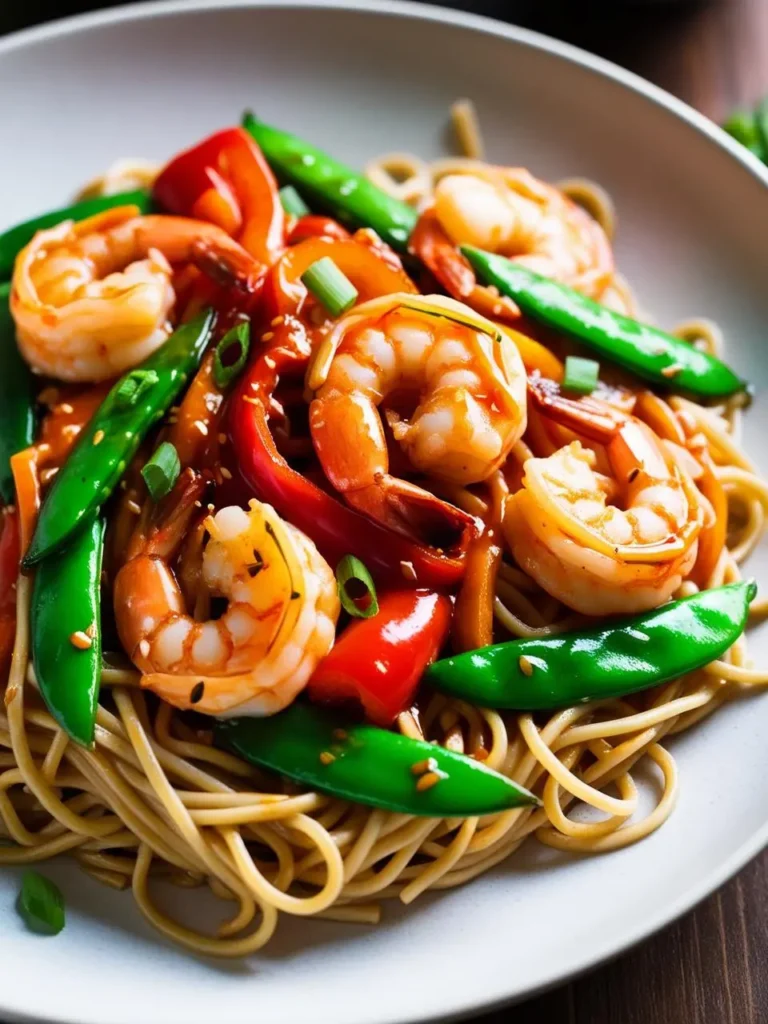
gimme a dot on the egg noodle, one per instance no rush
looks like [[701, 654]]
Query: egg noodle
[[155, 801]]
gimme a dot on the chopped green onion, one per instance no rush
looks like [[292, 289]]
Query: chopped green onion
[[133, 386], [351, 568], [330, 286], [40, 904], [162, 471], [231, 354], [580, 375], [292, 201]]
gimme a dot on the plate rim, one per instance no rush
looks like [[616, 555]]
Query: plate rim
[[653, 922]]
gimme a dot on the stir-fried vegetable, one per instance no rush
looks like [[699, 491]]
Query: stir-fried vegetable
[[606, 661], [40, 904], [111, 439], [14, 239], [17, 402], [371, 766], [66, 632], [750, 128], [378, 662], [646, 351], [352, 570], [330, 286], [333, 187], [162, 471]]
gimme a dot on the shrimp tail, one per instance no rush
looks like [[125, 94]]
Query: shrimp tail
[[232, 268], [412, 511], [592, 419]]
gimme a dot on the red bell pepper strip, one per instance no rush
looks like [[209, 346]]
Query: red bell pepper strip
[[226, 180], [314, 225], [379, 661]]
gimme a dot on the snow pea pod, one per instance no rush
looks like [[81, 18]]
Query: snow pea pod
[[646, 351], [66, 632], [611, 660], [370, 765], [110, 440], [335, 188], [17, 398]]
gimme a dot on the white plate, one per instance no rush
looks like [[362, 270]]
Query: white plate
[[694, 222]]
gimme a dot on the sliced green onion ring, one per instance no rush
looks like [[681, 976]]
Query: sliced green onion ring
[[351, 568], [292, 201], [40, 904], [330, 286], [225, 366], [581, 375], [162, 471], [135, 384]]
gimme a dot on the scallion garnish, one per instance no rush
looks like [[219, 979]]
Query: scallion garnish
[[40, 904], [162, 471], [352, 569], [231, 354], [580, 375], [330, 286], [292, 202], [133, 386]]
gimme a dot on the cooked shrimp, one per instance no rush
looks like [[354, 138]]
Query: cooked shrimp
[[509, 211], [465, 378], [604, 545], [93, 299], [279, 623]]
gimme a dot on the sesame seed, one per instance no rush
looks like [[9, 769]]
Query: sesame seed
[[48, 474], [277, 321], [81, 640], [327, 757], [428, 781], [427, 765], [123, 485], [197, 693], [198, 504], [144, 648], [525, 666], [201, 427], [98, 437], [268, 336], [408, 571], [226, 473], [269, 362], [133, 506], [66, 408], [222, 438], [672, 370]]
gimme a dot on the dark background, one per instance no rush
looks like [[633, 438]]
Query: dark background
[[711, 967]]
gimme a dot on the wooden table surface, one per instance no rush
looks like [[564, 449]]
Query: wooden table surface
[[711, 967]]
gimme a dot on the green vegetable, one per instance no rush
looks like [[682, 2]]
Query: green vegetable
[[17, 398], [333, 187], [231, 354], [162, 471], [14, 240], [607, 661], [646, 351], [581, 375], [370, 765], [761, 124], [66, 632], [351, 568], [40, 904], [330, 286], [132, 386], [292, 201], [742, 126], [109, 442]]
